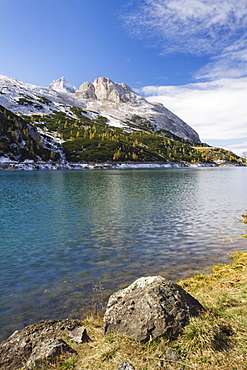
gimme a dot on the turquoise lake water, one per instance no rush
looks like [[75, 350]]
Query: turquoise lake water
[[70, 238]]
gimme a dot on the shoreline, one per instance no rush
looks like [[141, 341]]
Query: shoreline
[[30, 165]]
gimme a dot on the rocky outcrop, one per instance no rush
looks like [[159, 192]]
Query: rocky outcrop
[[37, 344], [150, 307]]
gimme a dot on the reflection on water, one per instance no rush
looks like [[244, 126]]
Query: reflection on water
[[62, 233]]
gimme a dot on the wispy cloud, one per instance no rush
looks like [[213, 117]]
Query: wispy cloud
[[217, 109], [231, 63], [216, 28], [191, 26]]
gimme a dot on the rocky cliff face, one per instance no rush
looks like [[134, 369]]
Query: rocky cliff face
[[105, 89]]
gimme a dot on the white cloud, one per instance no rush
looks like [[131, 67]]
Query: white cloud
[[217, 110]]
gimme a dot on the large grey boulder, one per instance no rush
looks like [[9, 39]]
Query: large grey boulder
[[150, 307], [36, 344]]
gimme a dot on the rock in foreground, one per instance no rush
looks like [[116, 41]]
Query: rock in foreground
[[150, 307]]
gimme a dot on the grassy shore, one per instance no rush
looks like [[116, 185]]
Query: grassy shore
[[216, 340]]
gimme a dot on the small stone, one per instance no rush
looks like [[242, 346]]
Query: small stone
[[244, 215], [125, 366], [161, 363], [171, 355], [79, 335]]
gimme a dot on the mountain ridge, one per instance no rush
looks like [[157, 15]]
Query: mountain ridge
[[117, 102], [101, 122]]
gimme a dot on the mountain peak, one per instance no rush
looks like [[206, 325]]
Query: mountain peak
[[62, 85], [104, 88]]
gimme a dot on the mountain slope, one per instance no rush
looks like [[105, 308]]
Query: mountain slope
[[21, 141]]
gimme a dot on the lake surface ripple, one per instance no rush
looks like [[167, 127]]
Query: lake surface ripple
[[70, 238]]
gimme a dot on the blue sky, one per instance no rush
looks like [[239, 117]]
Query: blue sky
[[189, 54]]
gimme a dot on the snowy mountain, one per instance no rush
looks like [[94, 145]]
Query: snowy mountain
[[103, 123], [115, 101], [62, 85]]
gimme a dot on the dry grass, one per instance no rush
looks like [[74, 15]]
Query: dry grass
[[216, 340]]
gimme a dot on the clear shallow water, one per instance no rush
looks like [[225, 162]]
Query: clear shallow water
[[67, 237]]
